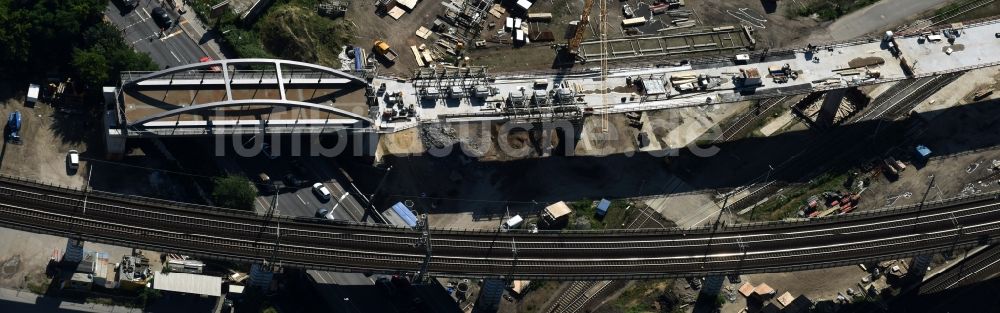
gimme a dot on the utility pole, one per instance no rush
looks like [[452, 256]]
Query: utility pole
[[425, 240], [86, 189], [767, 178], [277, 233]]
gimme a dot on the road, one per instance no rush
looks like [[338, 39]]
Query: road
[[882, 15], [173, 49]]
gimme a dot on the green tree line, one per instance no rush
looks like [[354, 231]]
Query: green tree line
[[69, 36]]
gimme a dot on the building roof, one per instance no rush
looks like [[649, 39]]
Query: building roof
[[763, 289], [786, 298], [603, 205], [558, 209], [403, 213], [746, 289], [236, 289], [518, 285], [188, 283]]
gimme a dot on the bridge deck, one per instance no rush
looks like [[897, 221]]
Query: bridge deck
[[831, 67], [142, 102]]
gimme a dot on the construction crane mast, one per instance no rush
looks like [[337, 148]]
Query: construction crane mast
[[574, 43], [604, 65]]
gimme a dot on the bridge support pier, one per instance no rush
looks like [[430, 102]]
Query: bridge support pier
[[712, 286], [261, 275], [919, 264], [710, 290], [489, 296], [114, 133], [74, 251]]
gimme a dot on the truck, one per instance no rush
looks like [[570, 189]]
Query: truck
[[13, 127], [383, 48]]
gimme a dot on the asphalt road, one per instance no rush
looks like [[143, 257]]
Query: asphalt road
[[172, 49], [302, 201], [885, 14]]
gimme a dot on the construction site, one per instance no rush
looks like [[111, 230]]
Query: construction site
[[527, 116]]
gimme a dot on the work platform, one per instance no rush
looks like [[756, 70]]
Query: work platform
[[543, 95]]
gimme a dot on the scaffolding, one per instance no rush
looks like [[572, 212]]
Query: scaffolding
[[467, 17], [457, 82]]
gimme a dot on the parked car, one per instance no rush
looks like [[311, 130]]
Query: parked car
[[321, 191], [292, 181], [130, 4], [73, 160], [265, 185], [161, 18], [324, 212]]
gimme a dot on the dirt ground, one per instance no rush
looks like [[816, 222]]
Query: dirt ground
[[400, 34], [776, 30], [834, 280], [772, 26], [42, 156]]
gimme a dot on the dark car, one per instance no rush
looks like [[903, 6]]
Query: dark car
[[161, 18], [292, 181]]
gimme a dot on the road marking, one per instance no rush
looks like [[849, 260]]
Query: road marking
[[175, 57], [300, 199], [145, 38], [140, 15], [171, 35]]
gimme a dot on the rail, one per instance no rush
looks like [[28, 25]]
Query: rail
[[579, 255]]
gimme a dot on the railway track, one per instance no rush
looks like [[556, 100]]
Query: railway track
[[580, 294], [737, 128], [890, 105], [970, 270], [570, 255]]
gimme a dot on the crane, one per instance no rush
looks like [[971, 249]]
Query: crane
[[604, 64], [573, 47], [574, 43]]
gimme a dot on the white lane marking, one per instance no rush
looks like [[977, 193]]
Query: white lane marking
[[175, 57], [145, 38], [171, 35], [300, 199], [140, 15]]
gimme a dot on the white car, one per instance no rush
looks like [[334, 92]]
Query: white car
[[321, 191], [73, 159]]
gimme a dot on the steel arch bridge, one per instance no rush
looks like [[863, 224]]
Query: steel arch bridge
[[236, 96]]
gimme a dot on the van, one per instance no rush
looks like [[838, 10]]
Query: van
[[265, 184]]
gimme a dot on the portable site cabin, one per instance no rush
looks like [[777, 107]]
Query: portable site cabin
[[602, 207], [556, 215], [33, 90], [513, 222], [524, 4]]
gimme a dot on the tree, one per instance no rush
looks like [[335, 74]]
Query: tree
[[91, 67], [235, 192]]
